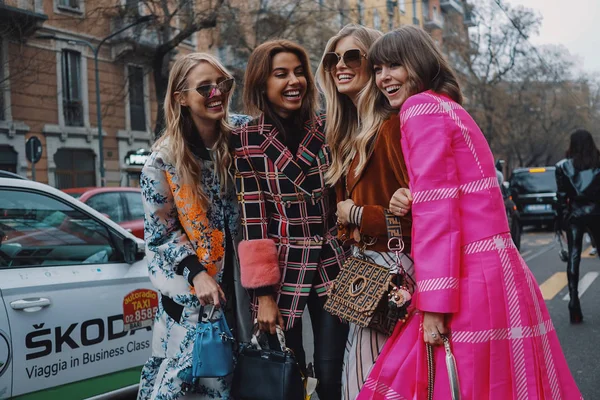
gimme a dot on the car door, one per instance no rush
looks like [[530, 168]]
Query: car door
[[5, 355], [65, 285]]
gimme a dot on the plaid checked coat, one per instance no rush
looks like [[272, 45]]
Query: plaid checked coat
[[283, 197]]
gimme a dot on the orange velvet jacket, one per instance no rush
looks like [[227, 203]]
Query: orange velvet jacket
[[384, 173]]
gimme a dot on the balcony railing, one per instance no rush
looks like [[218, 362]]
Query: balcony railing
[[21, 17], [432, 19], [73, 113], [139, 38], [455, 6], [469, 19]]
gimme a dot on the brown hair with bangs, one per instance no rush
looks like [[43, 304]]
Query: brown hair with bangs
[[415, 50], [260, 65]]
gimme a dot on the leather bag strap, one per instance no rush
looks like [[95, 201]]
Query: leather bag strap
[[394, 231]]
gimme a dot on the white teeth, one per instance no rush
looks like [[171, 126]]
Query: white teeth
[[393, 89], [344, 77], [214, 104], [292, 93]]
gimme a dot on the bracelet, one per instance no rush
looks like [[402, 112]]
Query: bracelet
[[355, 215]]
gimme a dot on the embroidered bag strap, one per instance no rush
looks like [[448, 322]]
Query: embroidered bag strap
[[394, 231]]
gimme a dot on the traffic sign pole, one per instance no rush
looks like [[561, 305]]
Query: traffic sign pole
[[32, 144]]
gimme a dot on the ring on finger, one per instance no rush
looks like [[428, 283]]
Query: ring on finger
[[433, 335]]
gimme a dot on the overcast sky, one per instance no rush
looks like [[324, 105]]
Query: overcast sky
[[572, 23]]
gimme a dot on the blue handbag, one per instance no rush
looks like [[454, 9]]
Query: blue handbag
[[212, 356], [213, 348]]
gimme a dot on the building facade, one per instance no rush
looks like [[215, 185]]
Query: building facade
[[48, 70], [47, 90]]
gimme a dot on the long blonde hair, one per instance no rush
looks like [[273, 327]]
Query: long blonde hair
[[180, 128], [373, 110], [342, 117]]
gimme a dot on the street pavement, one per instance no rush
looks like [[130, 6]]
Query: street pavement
[[580, 343]]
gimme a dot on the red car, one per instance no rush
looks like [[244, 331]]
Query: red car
[[123, 205]]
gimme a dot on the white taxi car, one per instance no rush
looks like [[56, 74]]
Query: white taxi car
[[76, 302]]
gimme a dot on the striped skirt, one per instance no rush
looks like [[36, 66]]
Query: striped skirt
[[364, 345]]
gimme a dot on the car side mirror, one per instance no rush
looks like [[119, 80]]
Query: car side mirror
[[131, 252]]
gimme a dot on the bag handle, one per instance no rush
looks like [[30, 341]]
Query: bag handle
[[450, 365], [278, 332]]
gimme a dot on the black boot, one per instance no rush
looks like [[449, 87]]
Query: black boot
[[575, 313]]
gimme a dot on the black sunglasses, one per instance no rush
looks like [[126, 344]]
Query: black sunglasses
[[206, 90], [352, 59]]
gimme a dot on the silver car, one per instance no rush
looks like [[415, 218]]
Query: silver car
[[77, 303]]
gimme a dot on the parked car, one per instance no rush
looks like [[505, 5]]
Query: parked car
[[534, 192], [123, 205], [70, 280], [512, 214], [8, 174]]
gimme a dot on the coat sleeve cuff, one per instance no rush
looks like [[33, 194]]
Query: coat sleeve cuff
[[439, 301], [264, 291], [189, 267], [259, 263], [373, 221]]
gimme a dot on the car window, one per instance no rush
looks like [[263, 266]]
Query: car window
[[109, 204], [533, 182], [134, 202], [38, 230]]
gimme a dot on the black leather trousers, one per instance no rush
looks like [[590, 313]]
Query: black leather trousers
[[330, 335], [576, 227]]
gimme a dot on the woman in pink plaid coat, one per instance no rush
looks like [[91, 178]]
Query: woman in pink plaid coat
[[472, 283]]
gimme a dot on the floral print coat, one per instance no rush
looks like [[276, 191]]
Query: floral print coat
[[175, 228]]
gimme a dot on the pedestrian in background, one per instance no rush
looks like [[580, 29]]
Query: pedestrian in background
[[290, 254], [367, 168], [578, 183], [472, 284], [191, 219]]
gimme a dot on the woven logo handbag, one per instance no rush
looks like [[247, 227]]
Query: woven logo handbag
[[367, 294]]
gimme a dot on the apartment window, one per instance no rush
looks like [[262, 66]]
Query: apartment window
[[71, 88], [132, 6], [402, 6], [137, 110], [361, 11], [75, 168], [8, 158], [70, 4], [186, 15], [414, 8], [376, 20]]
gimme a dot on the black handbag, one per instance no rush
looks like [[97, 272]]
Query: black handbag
[[267, 374]]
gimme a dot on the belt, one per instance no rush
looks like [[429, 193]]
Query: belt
[[172, 309]]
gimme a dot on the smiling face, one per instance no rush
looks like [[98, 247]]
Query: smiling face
[[286, 85], [350, 81], [390, 79], [204, 109]]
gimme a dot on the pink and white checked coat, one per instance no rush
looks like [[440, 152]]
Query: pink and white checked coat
[[466, 265]]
